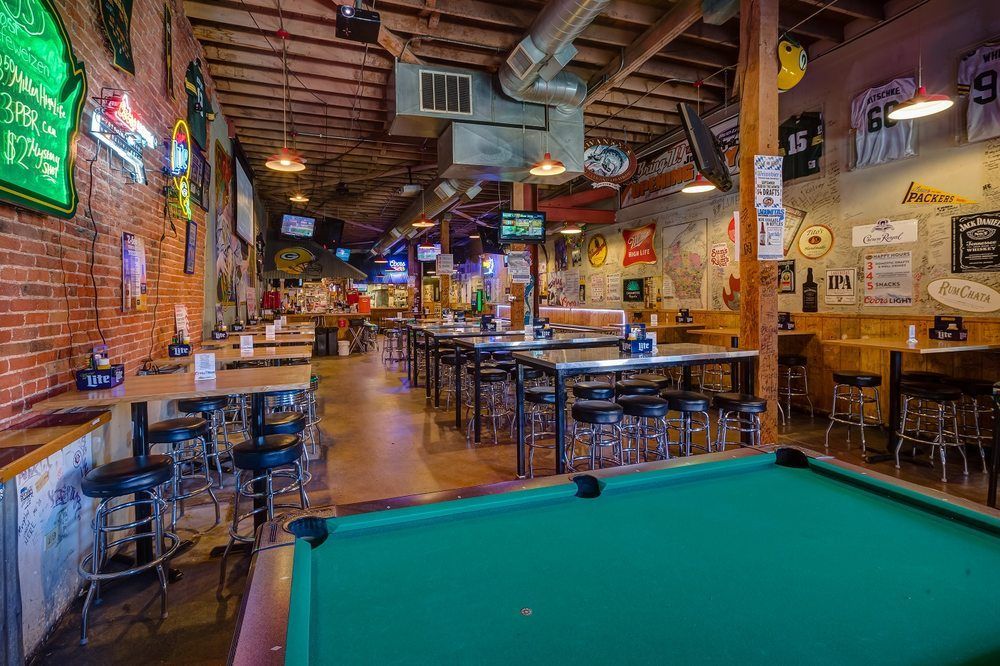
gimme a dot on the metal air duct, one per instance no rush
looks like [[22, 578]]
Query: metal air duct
[[438, 197]]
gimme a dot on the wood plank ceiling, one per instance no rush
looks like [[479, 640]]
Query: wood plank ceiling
[[337, 89]]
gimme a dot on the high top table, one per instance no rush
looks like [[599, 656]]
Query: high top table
[[139, 391], [563, 363], [260, 340], [511, 343], [433, 335], [734, 334], [232, 354], [896, 348], [415, 328]]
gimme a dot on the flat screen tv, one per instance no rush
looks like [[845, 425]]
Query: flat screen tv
[[297, 226], [329, 232], [428, 252], [522, 226], [343, 253], [708, 156], [243, 185]]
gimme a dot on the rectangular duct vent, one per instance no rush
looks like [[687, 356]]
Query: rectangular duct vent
[[442, 92], [520, 62]]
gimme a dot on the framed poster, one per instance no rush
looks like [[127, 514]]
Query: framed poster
[[134, 289], [633, 290], [116, 19], [168, 51], [196, 183], [191, 247], [786, 277], [206, 185]]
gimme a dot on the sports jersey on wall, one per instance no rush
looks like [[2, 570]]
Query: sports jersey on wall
[[199, 107], [877, 138], [977, 77], [801, 140]]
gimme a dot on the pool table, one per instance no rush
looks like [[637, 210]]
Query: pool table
[[748, 557]]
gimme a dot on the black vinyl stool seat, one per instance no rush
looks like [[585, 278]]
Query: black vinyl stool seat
[[686, 401], [177, 430], [470, 368], [645, 406], [533, 373], [597, 411], [452, 359], [935, 392], [635, 387], [127, 476], [661, 381], [488, 375], [284, 423], [930, 417], [974, 387], [502, 356], [858, 379], [200, 405], [543, 395], [791, 359], [113, 483], [278, 450], [740, 402], [592, 390], [507, 366], [923, 376]]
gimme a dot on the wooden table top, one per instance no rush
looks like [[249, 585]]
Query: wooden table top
[[230, 353], [288, 328], [28, 443], [735, 331], [923, 345], [260, 338], [664, 327], [147, 388]]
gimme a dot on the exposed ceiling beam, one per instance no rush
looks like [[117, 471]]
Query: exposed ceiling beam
[[579, 215]]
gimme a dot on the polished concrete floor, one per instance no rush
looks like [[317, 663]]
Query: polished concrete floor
[[380, 441]]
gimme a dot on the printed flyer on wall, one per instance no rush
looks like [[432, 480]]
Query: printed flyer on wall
[[889, 279]]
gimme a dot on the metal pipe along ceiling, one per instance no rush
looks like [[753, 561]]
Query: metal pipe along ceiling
[[435, 205]]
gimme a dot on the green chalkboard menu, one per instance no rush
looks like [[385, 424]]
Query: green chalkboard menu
[[42, 88], [116, 19]]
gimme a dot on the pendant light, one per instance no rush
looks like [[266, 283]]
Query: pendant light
[[299, 197], [700, 183], [286, 159], [545, 166], [922, 103], [423, 222], [381, 260], [571, 229], [474, 235]]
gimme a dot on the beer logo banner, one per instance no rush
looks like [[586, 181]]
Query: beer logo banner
[[922, 194]]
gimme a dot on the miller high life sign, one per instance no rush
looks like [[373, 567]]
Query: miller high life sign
[[639, 246]]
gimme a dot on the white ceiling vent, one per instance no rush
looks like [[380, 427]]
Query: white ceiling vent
[[445, 92]]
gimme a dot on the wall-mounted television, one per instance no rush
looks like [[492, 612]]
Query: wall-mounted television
[[708, 156], [522, 226], [297, 226], [343, 253], [428, 252], [243, 195]]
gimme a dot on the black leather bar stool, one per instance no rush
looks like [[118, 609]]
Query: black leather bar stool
[[643, 423], [793, 382], [213, 410], [692, 409], [593, 390], [930, 417], [539, 411], [662, 381], [534, 377], [738, 412], [449, 363], [922, 376], [493, 401], [295, 400], [596, 425], [635, 387], [852, 392], [279, 457], [975, 408], [187, 444], [142, 476]]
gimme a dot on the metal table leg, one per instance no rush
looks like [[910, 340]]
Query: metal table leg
[[991, 490], [437, 374], [560, 415], [458, 390], [427, 365], [895, 373], [140, 447], [257, 433], [519, 415], [476, 420]]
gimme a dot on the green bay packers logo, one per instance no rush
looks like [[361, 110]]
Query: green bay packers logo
[[295, 260]]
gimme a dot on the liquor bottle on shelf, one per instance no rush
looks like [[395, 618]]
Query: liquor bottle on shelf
[[810, 293]]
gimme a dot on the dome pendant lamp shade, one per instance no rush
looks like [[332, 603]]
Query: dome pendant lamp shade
[[287, 160], [298, 197], [423, 222], [571, 230], [920, 105], [547, 166], [699, 184]]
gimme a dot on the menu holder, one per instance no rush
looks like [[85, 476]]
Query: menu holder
[[92, 379], [641, 346], [178, 349], [785, 322], [246, 345], [220, 335], [684, 316], [269, 332], [948, 328], [204, 367]]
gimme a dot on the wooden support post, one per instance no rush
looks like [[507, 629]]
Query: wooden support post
[[523, 197], [758, 136], [413, 272], [445, 280]]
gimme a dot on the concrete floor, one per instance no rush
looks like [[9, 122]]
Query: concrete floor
[[381, 442]]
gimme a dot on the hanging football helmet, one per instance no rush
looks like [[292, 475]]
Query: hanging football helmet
[[792, 61]]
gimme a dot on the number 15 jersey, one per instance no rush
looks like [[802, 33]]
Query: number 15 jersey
[[878, 138], [977, 77]]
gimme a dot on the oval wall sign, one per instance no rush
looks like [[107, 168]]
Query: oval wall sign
[[815, 241], [608, 163], [964, 295]]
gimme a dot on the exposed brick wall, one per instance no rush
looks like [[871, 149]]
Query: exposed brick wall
[[39, 343]]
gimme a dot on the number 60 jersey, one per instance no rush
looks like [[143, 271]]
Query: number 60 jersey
[[878, 138], [977, 78]]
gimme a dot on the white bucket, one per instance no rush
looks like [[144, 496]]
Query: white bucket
[[343, 347]]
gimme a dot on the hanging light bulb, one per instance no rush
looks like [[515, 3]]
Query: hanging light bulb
[[920, 105], [474, 235], [547, 167], [571, 229], [699, 184], [286, 159], [299, 197], [423, 222]]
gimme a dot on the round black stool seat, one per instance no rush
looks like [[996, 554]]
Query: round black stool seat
[[858, 379], [922, 376], [541, 395], [177, 430], [741, 402], [974, 387], [451, 359], [660, 381], [686, 401], [597, 411], [532, 373], [507, 366], [291, 393], [127, 476], [593, 391], [648, 406], [284, 423], [200, 405], [501, 356], [277, 450], [471, 367], [791, 359], [935, 392], [491, 375], [636, 387]]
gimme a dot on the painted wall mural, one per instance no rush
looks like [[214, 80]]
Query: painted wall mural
[[231, 261]]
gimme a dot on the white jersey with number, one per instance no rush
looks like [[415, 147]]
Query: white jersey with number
[[877, 138], [978, 75]]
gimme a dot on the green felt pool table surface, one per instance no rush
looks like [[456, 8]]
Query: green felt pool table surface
[[734, 561]]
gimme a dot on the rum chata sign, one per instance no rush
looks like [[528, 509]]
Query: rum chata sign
[[42, 88], [975, 243], [639, 246], [964, 295], [884, 232]]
